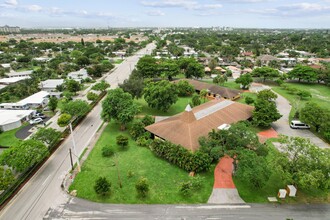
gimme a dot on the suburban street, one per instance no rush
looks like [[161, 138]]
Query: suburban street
[[43, 191], [80, 209]]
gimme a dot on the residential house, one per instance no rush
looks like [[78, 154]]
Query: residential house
[[236, 72], [19, 74], [11, 119], [265, 59], [187, 127], [50, 85], [78, 75], [39, 99]]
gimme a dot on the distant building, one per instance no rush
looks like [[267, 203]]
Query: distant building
[[12, 80], [7, 29], [50, 85], [19, 74], [78, 75]]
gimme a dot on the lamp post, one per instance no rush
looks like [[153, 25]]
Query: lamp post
[[74, 147]]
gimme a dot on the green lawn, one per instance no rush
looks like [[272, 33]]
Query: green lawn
[[9, 139], [176, 108], [164, 179], [320, 93], [246, 94]]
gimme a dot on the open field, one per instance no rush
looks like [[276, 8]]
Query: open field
[[164, 179]]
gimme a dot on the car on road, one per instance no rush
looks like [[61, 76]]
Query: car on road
[[35, 121], [295, 124]]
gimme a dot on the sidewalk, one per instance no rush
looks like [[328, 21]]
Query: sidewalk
[[224, 190]]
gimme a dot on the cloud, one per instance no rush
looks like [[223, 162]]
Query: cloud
[[11, 2], [155, 13], [244, 1], [293, 10], [170, 4], [33, 8]]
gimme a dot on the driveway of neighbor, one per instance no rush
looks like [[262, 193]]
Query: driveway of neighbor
[[224, 190], [282, 125], [26, 131]]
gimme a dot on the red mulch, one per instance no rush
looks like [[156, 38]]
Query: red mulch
[[223, 174], [264, 135]]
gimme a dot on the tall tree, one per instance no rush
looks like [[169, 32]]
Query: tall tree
[[161, 95], [306, 73], [76, 108], [147, 66], [313, 115], [265, 113], [265, 73], [245, 80], [47, 135], [52, 104], [120, 106], [169, 68]]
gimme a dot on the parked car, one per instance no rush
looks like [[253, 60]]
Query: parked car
[[35, 121], [39, 115], [295, 124]]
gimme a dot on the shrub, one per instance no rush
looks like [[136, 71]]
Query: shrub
[[143, 141], [142, 187], [148, 120], [130, 174], [107, 151], [186, 188], [64, 120], [122, 141], [185, 88], [92, 96], [195, 100], [192, 185], [137, 129], [249, 100], [102, 186], [180, 156]]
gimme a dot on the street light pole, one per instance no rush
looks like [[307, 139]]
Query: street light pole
[[74, 147]]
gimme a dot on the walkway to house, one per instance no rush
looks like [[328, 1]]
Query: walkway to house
[[224, 190], [266, 134]]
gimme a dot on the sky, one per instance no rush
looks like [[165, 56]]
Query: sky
[[165, 13]]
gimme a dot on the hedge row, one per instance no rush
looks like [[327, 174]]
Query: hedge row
[[180, 156]]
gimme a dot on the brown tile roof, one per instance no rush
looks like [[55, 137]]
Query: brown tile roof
[[224, 92], [186, 128]]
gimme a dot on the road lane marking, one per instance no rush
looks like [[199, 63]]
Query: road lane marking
[[215, 207], [45, 180]]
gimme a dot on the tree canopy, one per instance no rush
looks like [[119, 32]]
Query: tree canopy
[[120, 106], [305, 73], [265, 73], [161, 95]]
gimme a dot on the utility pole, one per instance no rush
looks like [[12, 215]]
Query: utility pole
[[74, 147], [71, 158]]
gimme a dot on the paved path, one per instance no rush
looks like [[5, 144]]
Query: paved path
[[282, 125], [224, 190]]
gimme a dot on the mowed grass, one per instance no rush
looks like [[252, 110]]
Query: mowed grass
[[176, 108], [320, 93], [8, 138], [246, 94], [164, 178]]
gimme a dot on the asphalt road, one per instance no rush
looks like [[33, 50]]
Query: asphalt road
[[81, 209], [43, 190], [282, 125]]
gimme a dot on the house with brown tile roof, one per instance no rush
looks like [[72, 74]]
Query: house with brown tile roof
[[187, 127], [213, 90]]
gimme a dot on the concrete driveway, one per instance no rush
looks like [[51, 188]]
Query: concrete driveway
[[282, 125]]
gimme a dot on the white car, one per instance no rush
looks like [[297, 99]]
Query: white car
[[35, 121]]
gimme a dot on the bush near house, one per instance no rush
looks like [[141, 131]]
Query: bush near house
[[176, 154]]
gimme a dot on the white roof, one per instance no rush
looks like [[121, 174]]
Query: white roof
[[78, 73], [10, 116], [224, 127], [12, 79], [36, 98], [5, 65], [214, 108], [52, 83], [28, 72]]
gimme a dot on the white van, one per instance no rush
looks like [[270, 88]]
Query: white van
[[295, 124]]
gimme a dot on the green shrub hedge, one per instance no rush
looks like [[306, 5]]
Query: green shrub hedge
[[180, 156]]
